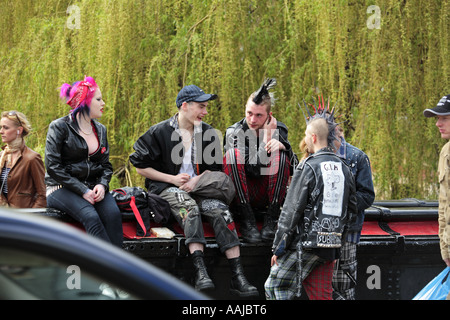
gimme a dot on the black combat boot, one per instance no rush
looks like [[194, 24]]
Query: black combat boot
[[202, 279], [249, 230], [239, 283], [270, 222]]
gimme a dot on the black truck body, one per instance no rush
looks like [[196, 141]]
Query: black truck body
[[397, 256]]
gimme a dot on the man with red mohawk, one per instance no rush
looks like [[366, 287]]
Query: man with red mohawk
[[319, 205]]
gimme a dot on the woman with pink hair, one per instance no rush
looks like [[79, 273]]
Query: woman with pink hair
[[78, 166]]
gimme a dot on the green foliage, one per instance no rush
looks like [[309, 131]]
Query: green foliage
[[142, 52]]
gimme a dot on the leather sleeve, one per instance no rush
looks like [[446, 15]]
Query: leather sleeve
[[37, 175], [147, 153], [56, 135], [365, 193], [293, 209], [352, 206]]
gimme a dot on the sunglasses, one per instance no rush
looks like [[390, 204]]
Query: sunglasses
[[12, 114]]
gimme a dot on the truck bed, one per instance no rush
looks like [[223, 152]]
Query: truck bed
[[397, 256]]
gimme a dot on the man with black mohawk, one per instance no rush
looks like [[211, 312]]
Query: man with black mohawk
[[258, 159], [319, 205]]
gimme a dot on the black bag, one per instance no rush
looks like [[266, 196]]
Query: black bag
[[134, 199], [145, 206], [159, 208]]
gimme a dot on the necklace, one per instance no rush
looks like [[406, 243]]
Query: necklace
[[86, 133]]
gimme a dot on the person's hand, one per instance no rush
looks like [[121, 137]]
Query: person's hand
[[99, 192], [269, 128], [190, 185], [89, 196], [447, 262], [273, 260], [274, 145], [180, 179]]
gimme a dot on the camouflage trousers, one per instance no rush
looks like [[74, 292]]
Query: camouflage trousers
[[189, 213]]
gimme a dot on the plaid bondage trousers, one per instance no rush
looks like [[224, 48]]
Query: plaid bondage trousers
[[344, 278], [270, 187], [316, 276]]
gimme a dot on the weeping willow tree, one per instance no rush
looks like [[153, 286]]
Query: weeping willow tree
[[382, 62]]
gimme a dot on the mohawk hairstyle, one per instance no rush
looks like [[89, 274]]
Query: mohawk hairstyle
[[322, 112], [263, 91]]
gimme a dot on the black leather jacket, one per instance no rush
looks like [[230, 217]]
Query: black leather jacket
[[320, 204], [161, 148], [238, 136], [67, 158]]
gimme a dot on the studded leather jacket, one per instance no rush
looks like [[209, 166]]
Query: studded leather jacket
[[320, 204]]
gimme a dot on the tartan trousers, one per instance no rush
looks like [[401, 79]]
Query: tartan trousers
[[258, 191], [316, 277], [344, 278]]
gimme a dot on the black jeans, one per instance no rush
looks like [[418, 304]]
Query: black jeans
[[102, 220]]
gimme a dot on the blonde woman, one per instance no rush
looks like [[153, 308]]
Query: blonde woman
[[22, 169]]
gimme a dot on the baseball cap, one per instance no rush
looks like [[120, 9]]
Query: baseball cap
[[193, 93], [442, 108]]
